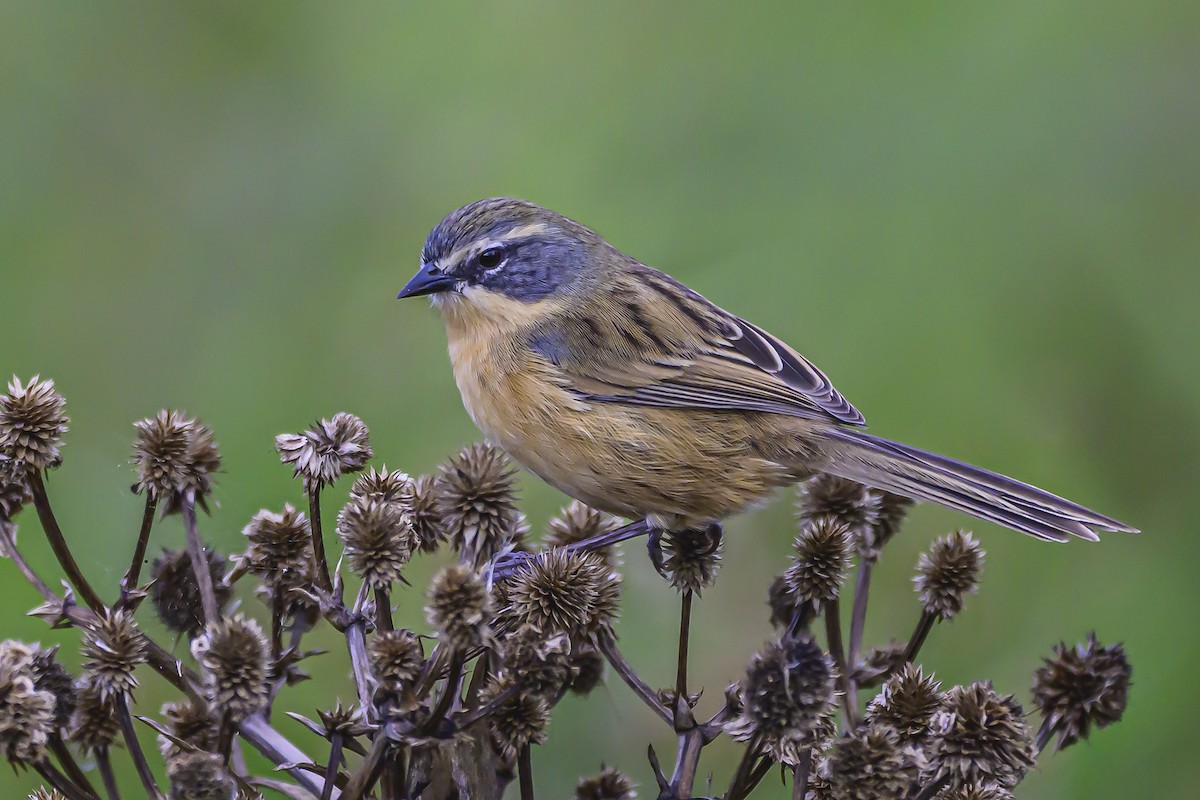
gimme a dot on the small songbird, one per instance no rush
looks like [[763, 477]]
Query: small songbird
[[628, 391]]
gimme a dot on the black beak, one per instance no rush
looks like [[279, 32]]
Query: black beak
[[428, 280]]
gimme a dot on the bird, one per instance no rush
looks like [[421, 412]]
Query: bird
[[632, 393]]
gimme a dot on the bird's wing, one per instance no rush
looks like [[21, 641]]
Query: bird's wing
[[652, 341]]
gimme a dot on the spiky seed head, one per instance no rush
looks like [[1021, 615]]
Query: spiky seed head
[[1082, 686], [94, 724], [346, 721], [27, 716], [979, 736], [558, 591], [426, 514], [396, 658], [879, 663], [610, 784], [782, 602], [42, 793], [976, 791], [384, 486], [787, 691], [14, 487], [821, 560], [279, 547], [51, 676], [578, 522], [161, 452], [111, 650], [460, 607], [189, 721], [197, 775], [871, 763], [892, 510], [517, 721], [378, 537], [948, 573], [607, 605], [193, 473], [691, 559], [326, 451], [587, 670], [233, 653], [850, 503], [906, 703], [32, 423], [477, 502], [175, 592], [539, 664]]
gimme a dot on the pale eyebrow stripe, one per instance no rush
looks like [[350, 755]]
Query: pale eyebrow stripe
[[520, 232]]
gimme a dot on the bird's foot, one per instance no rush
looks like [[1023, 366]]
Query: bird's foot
[[705, 541]]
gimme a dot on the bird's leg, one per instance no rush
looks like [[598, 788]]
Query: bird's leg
[[708, 536], [506, 564], [654, 548]]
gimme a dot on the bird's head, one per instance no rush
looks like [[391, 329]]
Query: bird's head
[[502, 257]]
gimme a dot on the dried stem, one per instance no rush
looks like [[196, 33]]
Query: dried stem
[[368, 771], [608, 646], [60, 781], [208, 597], [525, 773], [800, 774], [932, 788], [130, 581], [69, 765], [681, 664], [1045, 732], [331, 769], [318, 540], [104, 764], [58, 543], [383, 609], [121, 706], [449, 693], [738, 787], [687, 762], [833, 632], [924, 626]]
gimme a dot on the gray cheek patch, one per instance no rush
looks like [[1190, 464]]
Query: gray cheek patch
[[536, 269]]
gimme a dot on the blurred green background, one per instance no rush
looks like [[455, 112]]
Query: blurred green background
[[983, 221]]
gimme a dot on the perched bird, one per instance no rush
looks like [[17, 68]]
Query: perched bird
[[628, 391]]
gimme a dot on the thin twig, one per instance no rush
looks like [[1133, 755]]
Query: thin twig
[[737, 786], [59, 544], [449, 693], [208, 597], [121, 706], [924, 626], [525, 773], [60, 781], [608, 646], [130, 581], [800, 774], [681, 664], [104, 763], [331, 769], [833, 632], [69, 765], [368, 771], [318, 540], [383, 609]]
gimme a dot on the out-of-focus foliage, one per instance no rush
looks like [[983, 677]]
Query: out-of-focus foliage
[[980, 220]]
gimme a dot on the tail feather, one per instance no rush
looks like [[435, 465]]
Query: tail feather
[[997, 498]]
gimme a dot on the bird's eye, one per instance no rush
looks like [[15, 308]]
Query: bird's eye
[[491, 258]]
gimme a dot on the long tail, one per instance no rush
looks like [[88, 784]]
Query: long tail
[[920, 475]]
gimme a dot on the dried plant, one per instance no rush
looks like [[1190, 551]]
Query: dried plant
[[458, 712]]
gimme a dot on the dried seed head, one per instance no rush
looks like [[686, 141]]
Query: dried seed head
[[540, 665], [94, 723], [175, 592], [426, 514], [976, 791], [979, 736], [562, 592], [192, 473], [578, 522], [906, 703], [1081, 686], [161, 452], [326, 451], [50, 676], [587, 670], [197, 775], [610, 784], [384, 486], [852, 504], [821, 560], [787, 690], [892, 510], [188, 721], [782, 602], [948, 573], [871, 763], [460, 607], [346, 721], [477, 502], [396, 658], [517, 721], [27, 716], [279, 547], [14, 487], [111, 650], [32, 423], [42, 793], [233, 653], [691, 559], [378, 537]]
